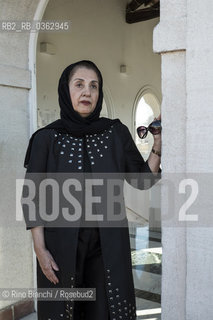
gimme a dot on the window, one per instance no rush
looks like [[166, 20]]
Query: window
[[147, 108]]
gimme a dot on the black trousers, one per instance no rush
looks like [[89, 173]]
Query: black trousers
[[90, 274]]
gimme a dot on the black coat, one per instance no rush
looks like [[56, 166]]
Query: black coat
[[112, 151]]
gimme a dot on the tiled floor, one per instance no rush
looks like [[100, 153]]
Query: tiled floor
[[146, 259], [146, 253]]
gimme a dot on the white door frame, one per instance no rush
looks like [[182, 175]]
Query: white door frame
[[32, 99]]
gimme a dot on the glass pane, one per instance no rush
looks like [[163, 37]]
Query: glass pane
[[144, 224], [146, 252]]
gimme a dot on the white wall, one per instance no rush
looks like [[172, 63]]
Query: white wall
[[16, 268], [184, 38]]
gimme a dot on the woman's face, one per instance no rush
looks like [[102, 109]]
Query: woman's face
[[84, 91]]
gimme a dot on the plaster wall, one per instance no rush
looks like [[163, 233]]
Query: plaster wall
[[184, 39], [16, 262], [199, 86]]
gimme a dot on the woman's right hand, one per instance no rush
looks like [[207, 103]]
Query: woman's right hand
[[48, 265], [46, 261]]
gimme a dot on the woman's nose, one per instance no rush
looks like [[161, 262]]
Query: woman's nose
[[87, 91]]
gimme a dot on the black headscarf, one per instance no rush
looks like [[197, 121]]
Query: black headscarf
[[71, 122]]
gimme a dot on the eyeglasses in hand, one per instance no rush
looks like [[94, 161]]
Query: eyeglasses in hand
[[154, 128]]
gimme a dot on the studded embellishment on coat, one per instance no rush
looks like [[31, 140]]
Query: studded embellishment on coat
[[69, 304], [100, 142], [97, 145], [73, 145], [120, 309]]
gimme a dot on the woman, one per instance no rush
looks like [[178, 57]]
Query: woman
[[82, 256]]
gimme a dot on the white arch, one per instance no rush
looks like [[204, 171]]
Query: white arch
[[32, 67], [32, 99], [145, 89]]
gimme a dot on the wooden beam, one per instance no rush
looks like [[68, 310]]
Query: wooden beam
[[143, 14], [134, 4]]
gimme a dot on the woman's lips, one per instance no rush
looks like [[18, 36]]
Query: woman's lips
[[86, 102]]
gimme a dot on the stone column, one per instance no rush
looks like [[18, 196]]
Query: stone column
[[184, 39], [16, 269], [199, 156]]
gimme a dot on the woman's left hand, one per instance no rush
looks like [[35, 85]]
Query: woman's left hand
[[157, 137], [154, 159]]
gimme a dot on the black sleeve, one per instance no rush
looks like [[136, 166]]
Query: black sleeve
[[35, 173], [137, 170]]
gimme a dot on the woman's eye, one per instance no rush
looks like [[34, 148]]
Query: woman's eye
[[94, 86], [79, 85]]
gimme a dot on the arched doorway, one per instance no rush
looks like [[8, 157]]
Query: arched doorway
[[145, 235], [46, 69]]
